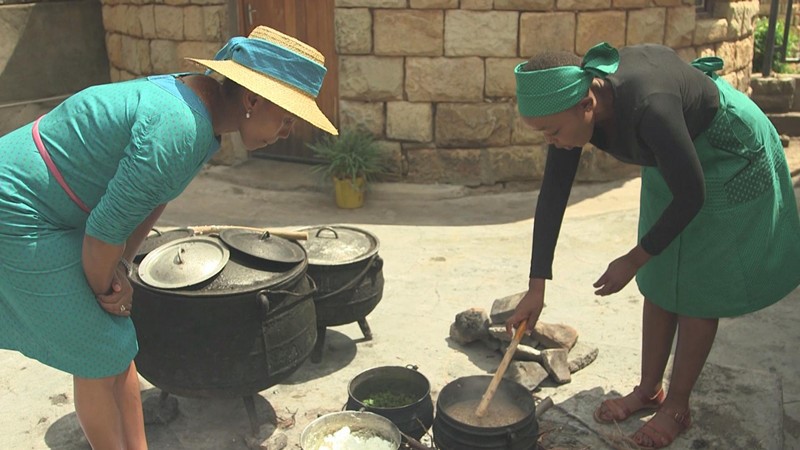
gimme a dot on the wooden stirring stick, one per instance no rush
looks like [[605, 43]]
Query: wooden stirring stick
[[480, 411]]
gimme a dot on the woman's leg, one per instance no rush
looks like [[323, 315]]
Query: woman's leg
[[658, 331], [695, 338], [129, 401], [110, 411]]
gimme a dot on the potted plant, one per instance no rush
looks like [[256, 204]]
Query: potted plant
[[351, 159]]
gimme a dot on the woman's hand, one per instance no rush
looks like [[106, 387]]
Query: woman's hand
[[529, 307], [621, 271], [119, 300]]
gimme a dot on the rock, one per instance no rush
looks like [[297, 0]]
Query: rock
[[499, 332], [554, 361], [524, 353], [555, 335], [493, 344], [470, 326], [158, 410], [503, 308], [581, 356], [276, 441], [526, 373], [785, 139]]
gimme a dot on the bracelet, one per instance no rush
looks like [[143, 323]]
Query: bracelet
[[127, 265]]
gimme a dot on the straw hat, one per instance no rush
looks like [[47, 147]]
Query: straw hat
[[280, 90]]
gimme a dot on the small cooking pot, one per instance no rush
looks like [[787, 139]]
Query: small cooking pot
[[413, 418], [450, 433], [361, 423]]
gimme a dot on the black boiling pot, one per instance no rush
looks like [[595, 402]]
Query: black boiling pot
[[215, 321], [344, 263], [413, 418], [450, 433]]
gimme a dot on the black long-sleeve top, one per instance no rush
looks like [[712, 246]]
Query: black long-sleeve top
[[661, 104]]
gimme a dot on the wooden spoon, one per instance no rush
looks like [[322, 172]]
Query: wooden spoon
[[480, 411]]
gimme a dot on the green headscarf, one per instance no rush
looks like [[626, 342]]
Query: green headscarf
[[550, 91]]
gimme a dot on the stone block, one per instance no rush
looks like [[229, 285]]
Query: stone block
[[680, 26], [524, 353], [136, 55], [646, 26], [192, 49], [203, 2], [556, 335], [668, 2], [596, 27], [516, 163], [147, 21], [503, 308], [470, 326], [727, 51], [473, 124], [392, 156], [461, 26], [133, 25], [193, 28], [580, 356], [370, 78], [555, 363], [499, 333], [582, 5], [527, 373], [214, 20], [367, 116], [353, 31], [370, 3], [424, 165], [408, 121], [552, 31], [463, 166], [500, 81], [524, 5], [744, 54], [163, 56], [169, 22], [773, 94], [443, 79], [687, 54], [630, 3], [711, 30], [478, 5], [408, 32], [114, 49], [433, 4], [523, 134]]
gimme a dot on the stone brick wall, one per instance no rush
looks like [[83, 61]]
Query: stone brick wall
[[433, 78]]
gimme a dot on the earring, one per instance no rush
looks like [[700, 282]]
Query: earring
[[247, 115]]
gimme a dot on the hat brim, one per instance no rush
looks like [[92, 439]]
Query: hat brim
[[287, 97]]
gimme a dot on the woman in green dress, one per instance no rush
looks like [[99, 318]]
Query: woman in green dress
[[719, 233], [83, 185]]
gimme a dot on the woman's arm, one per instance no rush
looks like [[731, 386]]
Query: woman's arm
[[100, 260], [140, 233]]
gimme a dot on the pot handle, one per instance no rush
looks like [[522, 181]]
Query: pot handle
[[311, 290], [335, 234], [356, 280]]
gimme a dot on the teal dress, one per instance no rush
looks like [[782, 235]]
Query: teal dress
[[123, 148]]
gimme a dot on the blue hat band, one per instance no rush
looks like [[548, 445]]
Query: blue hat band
[[276, 62]]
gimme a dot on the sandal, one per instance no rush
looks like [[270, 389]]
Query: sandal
[[618, 411], [657, 435]]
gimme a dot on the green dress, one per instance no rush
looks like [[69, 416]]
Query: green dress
[[123, 148]]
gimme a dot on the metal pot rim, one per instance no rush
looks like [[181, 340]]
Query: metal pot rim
[[314, 261]]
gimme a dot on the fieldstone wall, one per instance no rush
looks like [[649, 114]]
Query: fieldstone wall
[[434, 78]]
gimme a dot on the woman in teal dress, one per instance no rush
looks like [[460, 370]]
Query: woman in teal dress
[[719, 232], [83, 185]]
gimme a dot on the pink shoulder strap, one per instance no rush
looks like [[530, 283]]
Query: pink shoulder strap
[[52, 167]]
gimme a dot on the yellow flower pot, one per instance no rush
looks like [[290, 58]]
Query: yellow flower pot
[[349, 194]]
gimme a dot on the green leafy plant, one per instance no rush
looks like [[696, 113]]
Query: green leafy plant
[[760, 40], [352, 154]]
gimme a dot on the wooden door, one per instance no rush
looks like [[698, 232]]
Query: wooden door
[[311, 21]]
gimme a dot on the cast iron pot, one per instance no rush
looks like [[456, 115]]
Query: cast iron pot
[[451, 434], [343, 261], [244, 329], [413, 419]]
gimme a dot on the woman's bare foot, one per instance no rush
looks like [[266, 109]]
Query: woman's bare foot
[[621, 408]]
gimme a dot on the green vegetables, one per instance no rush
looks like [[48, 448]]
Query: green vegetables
[[388, 399]]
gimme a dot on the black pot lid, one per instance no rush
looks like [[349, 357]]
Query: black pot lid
[[263, 245], [338, 244], [183, 262], [157, 238]]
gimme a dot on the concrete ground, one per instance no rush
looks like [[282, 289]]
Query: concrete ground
[[446, 249]]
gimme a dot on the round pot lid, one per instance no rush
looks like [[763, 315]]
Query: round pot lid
[[263, 245], [183, 262], [333, 245], [157, 238]]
